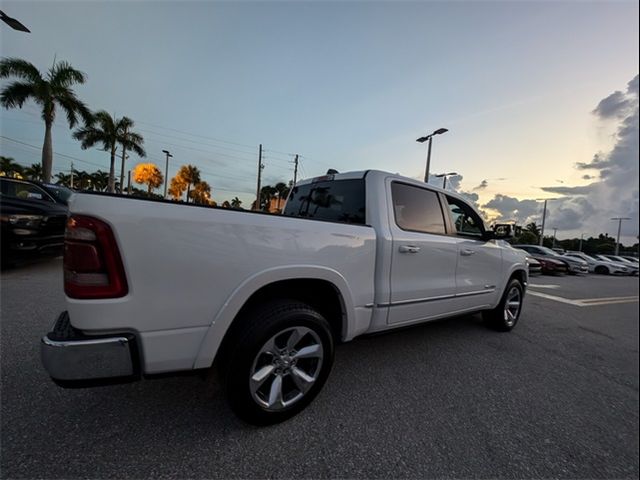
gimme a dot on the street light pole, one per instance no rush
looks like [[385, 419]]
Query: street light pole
[[555, 229], [429, 137], [544, 216], [260, 167], [166, 171], [619, 219], [581, 238], [444, 176]]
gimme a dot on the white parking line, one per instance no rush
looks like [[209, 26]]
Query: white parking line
[[586, 302], [540, 285]]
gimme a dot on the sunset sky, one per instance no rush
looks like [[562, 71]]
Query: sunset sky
[[527, 90]]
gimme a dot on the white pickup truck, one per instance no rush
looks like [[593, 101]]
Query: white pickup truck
[[154, 287]]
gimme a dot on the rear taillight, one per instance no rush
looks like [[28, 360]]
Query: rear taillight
[[92, 264]]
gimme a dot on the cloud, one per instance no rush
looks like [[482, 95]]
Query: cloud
[[482, 186], [589, 208], [581, 190], [512, 209], [618, 104]]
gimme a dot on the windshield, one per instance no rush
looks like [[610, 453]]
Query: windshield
[[61, 193], [548, 251]]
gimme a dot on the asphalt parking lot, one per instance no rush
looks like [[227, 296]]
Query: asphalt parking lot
[[557, 397]]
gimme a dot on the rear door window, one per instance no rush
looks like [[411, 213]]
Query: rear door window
[[417, 209]]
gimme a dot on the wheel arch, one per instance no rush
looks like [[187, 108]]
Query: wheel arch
[[322, 288]]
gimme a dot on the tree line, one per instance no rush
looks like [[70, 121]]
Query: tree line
[[53, 92]]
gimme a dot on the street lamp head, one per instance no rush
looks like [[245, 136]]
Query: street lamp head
[[13, 23], [439, 131], [440, 175], [166, 152]]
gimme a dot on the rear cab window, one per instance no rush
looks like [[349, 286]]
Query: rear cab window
[[340, 201]]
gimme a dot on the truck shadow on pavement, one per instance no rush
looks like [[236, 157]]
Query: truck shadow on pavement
[[195, 404]]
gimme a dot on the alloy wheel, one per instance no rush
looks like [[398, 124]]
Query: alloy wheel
[[285, 368]]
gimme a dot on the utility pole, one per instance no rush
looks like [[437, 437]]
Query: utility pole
[[260, 167], [166, 171], [619, 219], [555, 229], [580, 245], [129, 183], [544, 216], [124, 157], [295, 171], [71, 175]]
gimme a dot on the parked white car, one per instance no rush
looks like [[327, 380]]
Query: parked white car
[[155, 287], [633, 267], [600, 266]]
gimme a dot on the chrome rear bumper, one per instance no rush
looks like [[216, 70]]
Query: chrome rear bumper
[[73, 359]]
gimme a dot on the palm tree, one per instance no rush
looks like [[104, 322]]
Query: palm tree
[[149, 174], [109, 131], [282, 189], [82, 178], [34, 172], [51, 90], [201, 193], [129, 141], [9, 167], [63, 179], [177, 187], [266, 194], [236, 202], [100, 180], [190, 175]]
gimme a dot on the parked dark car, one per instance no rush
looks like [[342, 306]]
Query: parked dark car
[[534, 266], [32, 221], [574, 265], [59, 193], [551, 266]]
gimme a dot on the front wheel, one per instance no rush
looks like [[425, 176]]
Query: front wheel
[[602, 270], [505, 316], [279, 363]]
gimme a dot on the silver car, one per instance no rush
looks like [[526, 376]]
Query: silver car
[[633, 267], [599, 266]]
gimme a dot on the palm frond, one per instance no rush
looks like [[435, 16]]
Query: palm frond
[[63, 75], [89, 136], [73, 107], [16, 93], [16, 67]]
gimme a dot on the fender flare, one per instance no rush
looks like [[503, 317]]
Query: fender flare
[[232, 306]]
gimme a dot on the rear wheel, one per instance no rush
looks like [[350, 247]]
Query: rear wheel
[[279, 363], [505, 316], [602, 270]]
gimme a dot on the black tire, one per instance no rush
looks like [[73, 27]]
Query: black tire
[[498, 318], [601, 270], [257, 327]]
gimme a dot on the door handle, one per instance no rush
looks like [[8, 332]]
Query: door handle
[[409, 249], [466, 252]]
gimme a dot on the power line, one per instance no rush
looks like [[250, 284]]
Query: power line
[[55, 153]]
